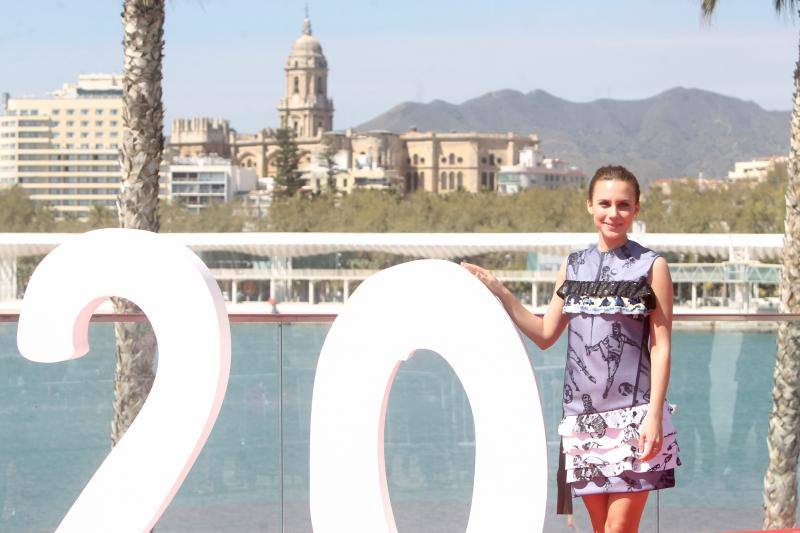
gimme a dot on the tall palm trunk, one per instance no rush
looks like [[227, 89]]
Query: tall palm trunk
[[137, 203], [780, 481]]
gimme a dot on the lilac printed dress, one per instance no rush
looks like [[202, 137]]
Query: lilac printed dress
[[607, 375]]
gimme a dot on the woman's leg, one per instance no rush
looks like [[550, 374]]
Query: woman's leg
[[625, 511], [597, 505]]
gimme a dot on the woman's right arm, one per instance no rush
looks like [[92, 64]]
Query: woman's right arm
[[544, 331]]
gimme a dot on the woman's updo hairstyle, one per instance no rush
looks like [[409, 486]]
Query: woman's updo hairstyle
[[614, 172]]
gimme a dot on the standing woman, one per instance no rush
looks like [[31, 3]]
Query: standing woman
[[617, 438]]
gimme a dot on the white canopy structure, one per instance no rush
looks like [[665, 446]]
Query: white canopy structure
[[725, 246]]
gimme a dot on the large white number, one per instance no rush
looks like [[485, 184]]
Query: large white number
[[435, 305], [177, 293]]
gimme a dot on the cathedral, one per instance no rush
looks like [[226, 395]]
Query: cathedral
[[408, 161]]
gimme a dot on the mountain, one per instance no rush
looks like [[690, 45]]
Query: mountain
[[680, 132]]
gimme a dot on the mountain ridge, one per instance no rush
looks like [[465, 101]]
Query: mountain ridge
[[681, 131]]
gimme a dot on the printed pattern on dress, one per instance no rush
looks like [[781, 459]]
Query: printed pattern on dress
[[610, 349], [606, 444]]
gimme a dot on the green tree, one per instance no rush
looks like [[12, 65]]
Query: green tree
[[137, 203], [100, 217], [18, 213], [780, 481], [287, 162], [329, 162]]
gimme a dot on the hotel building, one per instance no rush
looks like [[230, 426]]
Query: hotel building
[[62, 148]]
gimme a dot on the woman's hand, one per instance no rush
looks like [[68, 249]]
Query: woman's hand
[[488, 279], [650, 438]]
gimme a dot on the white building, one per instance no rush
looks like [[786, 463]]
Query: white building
[[198, 181], [533, 169], [62, 148], [757, 169]]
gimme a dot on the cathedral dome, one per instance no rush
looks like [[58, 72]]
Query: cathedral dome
[[306, 45]]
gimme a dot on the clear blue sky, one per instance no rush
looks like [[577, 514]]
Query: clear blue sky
[[225, 58]]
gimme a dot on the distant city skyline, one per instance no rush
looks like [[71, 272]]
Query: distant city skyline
[[228, 63]]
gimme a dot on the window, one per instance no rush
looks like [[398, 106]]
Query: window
[[70, 111], [483, 160], [84, 134], [70, 123], [444, 160], [319, 85], [452, 177], [443, 180], [113, 123], [416, 159], [491, 159], [499, 161], [460, 160], [98, 146], [422, 160], [84, 123], [114, 134], [98, 111], [56, 111], [115, 111], [460, 180], [98, 122], [451, 159], [98, 134], [484, 181], [114, 146], [84, 111], [54, 123], [296, 85], [85, 146]]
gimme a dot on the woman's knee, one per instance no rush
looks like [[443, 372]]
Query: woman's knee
[[618, 525]]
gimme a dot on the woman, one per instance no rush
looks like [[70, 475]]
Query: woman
[[617, 437]]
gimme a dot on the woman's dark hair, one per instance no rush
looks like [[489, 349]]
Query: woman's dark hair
[[614, 172]]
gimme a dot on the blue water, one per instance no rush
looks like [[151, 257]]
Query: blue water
[[55, 420]]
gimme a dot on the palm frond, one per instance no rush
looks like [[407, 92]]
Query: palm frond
[[708, 7], [784, 5]]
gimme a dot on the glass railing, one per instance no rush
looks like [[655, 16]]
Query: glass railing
[[253, 473]]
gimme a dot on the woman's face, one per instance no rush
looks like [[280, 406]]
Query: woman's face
[[613, 208]]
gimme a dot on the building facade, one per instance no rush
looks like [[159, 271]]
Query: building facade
[[196, 182], [62, 148], [757, 169], [535, 170], [410, 161]]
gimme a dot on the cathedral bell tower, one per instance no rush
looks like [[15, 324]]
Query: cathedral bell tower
[[306, 108]]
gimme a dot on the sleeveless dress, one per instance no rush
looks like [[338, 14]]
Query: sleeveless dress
[[607, 375]]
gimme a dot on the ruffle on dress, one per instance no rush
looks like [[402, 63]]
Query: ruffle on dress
[[629, 297], [604, 445]]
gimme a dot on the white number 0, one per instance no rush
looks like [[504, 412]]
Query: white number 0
[[139, 478], [434, 305]]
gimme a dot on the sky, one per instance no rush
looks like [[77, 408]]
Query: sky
[[225, 58]]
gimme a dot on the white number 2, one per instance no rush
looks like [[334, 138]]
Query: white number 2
[[434, 305], [175, 290]]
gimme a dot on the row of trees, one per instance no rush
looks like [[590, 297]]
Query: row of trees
[[688, 208]]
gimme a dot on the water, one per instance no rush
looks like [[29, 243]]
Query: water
[[55, 421]]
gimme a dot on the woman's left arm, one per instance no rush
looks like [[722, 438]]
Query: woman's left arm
[[660, 280]]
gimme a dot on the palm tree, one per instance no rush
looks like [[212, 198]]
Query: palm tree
[[780, 481], [137, 203]]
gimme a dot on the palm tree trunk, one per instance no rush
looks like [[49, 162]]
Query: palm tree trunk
[[780, 481], [137, 203]]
